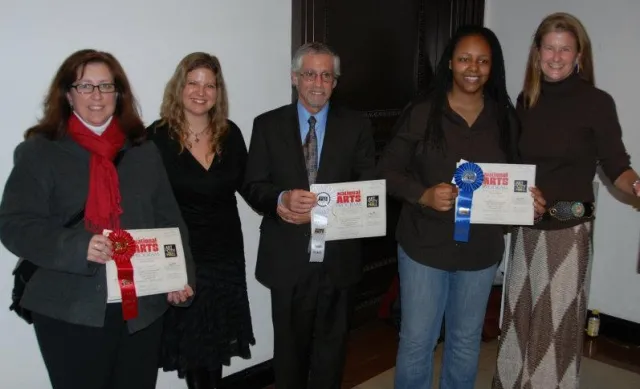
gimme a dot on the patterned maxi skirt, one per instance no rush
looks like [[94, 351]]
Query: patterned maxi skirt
[[544, 309]]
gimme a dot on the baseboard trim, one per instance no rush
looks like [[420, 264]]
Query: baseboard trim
[[255, 377], [620, 329]]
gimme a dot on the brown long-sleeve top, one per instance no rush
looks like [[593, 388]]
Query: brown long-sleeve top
[[573, 127], [425, 234]]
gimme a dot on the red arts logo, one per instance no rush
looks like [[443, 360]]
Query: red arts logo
[[495, 179], [349, 197], [147, 245]]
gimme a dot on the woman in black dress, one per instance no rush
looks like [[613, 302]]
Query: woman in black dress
[[205, 154]]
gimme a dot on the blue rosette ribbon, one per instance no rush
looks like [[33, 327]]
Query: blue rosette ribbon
[[468, 177]]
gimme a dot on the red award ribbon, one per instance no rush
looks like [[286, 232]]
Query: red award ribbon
[[123, 249]]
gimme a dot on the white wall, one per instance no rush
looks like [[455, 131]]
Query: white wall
[[614, 31], [252, 38]]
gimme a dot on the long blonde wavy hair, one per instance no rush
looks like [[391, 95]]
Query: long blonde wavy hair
[[172, 108], [557, 22]]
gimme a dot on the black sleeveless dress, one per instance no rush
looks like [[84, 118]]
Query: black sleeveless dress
[[217, 326]]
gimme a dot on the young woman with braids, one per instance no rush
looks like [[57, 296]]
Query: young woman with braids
[[466, 114]]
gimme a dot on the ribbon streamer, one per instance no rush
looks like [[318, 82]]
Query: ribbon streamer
[[317, 244], [320, 221], [124, 247], [468, 177]]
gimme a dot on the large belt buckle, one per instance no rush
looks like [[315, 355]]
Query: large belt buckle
[[577, 209]]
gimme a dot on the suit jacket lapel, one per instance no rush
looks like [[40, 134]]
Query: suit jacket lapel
[[330, 147]]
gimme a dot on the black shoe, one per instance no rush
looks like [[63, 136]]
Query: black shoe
[[203, 378]]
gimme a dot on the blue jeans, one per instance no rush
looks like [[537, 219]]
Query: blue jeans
[[426, 295]]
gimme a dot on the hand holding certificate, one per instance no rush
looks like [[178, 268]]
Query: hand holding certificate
[[146, 262], [493, 193], [353, 209], [347, 210]]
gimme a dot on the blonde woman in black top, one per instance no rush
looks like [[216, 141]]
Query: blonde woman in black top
[[568, 127], [205, 155]]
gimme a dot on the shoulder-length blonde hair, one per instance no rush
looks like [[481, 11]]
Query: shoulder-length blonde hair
[[557, 22], [172, 108]]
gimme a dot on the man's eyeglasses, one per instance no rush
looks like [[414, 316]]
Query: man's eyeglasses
[[310, 76], [89, 88]]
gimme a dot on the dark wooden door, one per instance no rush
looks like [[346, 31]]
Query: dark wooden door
[[388, 50]]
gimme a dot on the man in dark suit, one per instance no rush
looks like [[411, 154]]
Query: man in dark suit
[[293, 146]]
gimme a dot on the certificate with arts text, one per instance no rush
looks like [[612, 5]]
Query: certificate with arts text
[[158, 264], [504, 197], [350, 209]]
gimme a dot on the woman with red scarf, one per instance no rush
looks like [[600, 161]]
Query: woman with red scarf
[[66, 164]]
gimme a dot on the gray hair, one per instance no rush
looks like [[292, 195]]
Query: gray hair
[[314, 48]]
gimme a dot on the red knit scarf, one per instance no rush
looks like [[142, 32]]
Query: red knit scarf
[[102, 210]]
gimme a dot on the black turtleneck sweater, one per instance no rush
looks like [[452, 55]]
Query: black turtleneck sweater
[[573, 127]]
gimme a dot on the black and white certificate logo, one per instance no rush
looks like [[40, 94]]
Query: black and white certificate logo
[[520, 186]]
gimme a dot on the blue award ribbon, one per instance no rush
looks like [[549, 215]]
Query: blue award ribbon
[[468, 177]]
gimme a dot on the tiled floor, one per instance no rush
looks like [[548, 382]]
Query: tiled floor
[[372, 351]]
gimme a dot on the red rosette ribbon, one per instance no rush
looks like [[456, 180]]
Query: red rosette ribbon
[[124, 247]]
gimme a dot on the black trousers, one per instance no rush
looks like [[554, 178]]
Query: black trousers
[[81, 357], [311, 325]]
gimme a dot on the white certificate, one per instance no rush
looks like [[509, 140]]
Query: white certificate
[[353, 209], [504, 197], [158, 264]]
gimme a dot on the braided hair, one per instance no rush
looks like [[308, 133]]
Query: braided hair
[[495, 89]]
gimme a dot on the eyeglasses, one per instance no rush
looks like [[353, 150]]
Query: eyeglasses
[[89, 88], [310, 75]]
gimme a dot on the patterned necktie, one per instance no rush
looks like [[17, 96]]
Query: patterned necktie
[[310, 149]]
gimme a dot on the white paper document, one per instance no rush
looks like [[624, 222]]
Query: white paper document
[[504, 197], [158, 264], [352, 209]]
